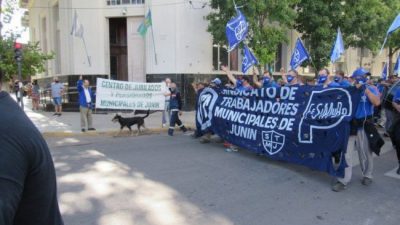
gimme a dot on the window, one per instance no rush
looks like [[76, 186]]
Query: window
[[113, 35], [124, 2], [221, 56], [277, 64], [113, 67], [233, 60], [278, 60]]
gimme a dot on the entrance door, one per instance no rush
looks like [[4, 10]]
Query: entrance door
[[118, 49]]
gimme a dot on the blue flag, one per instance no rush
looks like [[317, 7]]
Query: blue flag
[[338, 47], [248, 59], [299, 55], [395, 25], [396, 69], [385, 71], [236, 30]]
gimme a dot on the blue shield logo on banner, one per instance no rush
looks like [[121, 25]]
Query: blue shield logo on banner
[[205, 107], [273, 142]]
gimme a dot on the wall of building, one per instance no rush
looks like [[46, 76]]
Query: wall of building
[[181, 41]]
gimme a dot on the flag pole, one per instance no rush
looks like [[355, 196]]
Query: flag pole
[[152, 33], [87, 54], [154, 42]]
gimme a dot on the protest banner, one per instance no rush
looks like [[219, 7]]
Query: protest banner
[[300, 124], [112, 94]]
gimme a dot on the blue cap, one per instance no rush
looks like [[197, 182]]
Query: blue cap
[[216, 81], [359, 72]]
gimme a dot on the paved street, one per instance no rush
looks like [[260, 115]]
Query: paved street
[[69, 122], [160, 180]]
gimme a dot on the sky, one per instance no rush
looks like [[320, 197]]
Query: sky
[[15, 24]]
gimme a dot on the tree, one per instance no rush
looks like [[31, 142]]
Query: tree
[[365, 24], [318, 21], [1, 28], [269, 21], [394, 40], [33, 59], [394, 46], [6, 13]]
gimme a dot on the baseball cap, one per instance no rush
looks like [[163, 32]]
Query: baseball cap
[[216, 81], [359, 72]]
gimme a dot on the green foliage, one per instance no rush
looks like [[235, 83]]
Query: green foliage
[[393, 42], [318, 22], [34, 60], [363, 24], [269, 22], [366, 23]]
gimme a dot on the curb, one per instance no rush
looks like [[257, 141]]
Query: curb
[[107, 133]]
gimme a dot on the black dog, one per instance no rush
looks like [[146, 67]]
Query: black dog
[[129, 122]]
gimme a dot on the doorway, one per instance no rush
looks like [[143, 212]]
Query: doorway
[[118, 49]]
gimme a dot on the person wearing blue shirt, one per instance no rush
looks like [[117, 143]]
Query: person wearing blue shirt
[[57, 91], [266, 81], [292, 78], [325, 80], [175, 105], [340, 80], [364, 112], [86, 100], [241, 84], [395, 132]]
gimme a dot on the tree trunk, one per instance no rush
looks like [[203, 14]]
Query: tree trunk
[[1, 39], [391, 53], [1, 24]]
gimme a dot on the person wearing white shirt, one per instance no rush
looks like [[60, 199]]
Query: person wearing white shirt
[[167, 94]]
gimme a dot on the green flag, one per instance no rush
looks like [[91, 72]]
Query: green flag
[[145, 25]]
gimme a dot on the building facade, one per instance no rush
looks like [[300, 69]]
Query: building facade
[[177, 46]]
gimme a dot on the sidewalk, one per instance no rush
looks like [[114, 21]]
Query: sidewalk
[[69, 122]]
